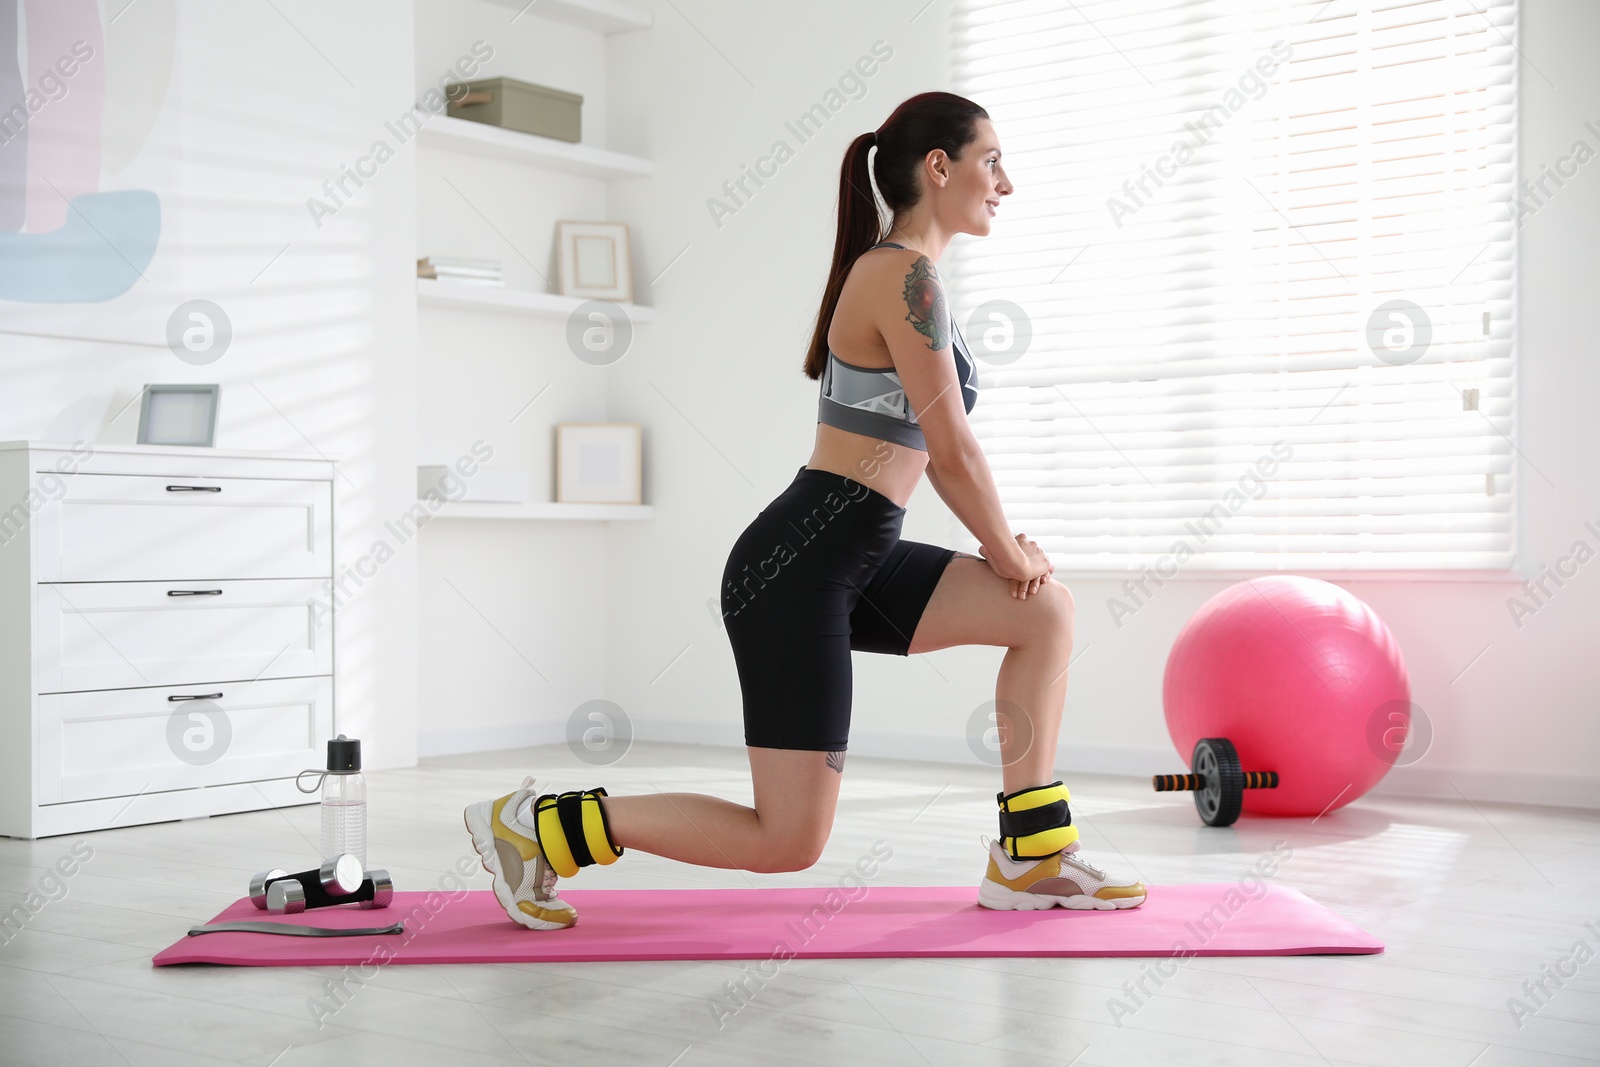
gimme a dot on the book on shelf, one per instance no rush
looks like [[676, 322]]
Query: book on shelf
[[487, 283], [461, 262], [465, 280], [458, 269]]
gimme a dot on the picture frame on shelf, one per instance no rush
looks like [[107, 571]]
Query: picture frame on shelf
[[595, 260], [179, 414], [599, 462]]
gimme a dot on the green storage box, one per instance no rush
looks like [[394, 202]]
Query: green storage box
[[517, 105]]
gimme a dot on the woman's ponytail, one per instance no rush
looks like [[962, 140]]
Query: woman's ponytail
[[860, 227]]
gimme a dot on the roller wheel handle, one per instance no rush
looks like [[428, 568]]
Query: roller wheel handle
[[1188, 783]]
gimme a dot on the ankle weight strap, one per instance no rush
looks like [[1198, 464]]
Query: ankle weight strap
[[1036, 821], [572, 831]]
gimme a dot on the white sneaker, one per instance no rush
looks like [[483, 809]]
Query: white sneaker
[[1060, 879], [524, 884]]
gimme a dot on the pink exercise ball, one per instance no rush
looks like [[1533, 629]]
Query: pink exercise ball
[[1303, 678]]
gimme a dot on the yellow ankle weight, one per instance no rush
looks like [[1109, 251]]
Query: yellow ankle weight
[[572, 831], [1035, 821]]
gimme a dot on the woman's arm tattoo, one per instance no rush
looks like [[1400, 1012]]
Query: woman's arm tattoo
[[925, 299]]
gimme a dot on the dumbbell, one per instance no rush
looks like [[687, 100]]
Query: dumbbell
[[258, 885], [1216, 780], [338, 881]]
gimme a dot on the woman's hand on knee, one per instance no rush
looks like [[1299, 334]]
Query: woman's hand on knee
[[1022, 589]]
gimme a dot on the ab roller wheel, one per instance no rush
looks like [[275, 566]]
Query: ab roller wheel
[[1217, 781]]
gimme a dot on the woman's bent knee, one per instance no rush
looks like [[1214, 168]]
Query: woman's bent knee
[[782, 855], [1054, 611]]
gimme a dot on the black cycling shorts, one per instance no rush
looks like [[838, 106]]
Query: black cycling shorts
[[821, 571]]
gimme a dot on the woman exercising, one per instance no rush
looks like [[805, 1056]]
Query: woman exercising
[[823, 571]]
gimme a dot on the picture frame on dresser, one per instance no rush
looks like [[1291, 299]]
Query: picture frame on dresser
[[179, 414]]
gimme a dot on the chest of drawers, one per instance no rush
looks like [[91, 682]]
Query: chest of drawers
[[166, 632]]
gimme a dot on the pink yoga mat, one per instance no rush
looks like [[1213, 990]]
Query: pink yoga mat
[[1212, 919]]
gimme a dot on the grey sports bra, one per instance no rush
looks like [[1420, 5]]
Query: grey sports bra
[[871, 400]]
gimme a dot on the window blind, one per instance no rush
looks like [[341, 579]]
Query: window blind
[[1250, 304]]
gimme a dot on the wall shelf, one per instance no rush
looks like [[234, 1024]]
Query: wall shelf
[[438, 293], [607, 16], [580, 512], [445, 134], [442, 131]]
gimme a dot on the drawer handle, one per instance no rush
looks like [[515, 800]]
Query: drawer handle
[[194, 592], [196, 696], [194, 488]]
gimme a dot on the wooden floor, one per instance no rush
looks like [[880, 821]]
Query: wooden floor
[[1471, 900]]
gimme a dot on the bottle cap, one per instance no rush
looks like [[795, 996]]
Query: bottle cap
[[344, 755]]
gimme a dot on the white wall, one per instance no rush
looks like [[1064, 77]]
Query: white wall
[[249, 118], [511, 615], [718, 382]]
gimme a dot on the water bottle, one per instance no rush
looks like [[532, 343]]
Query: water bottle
[[344, 802]]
